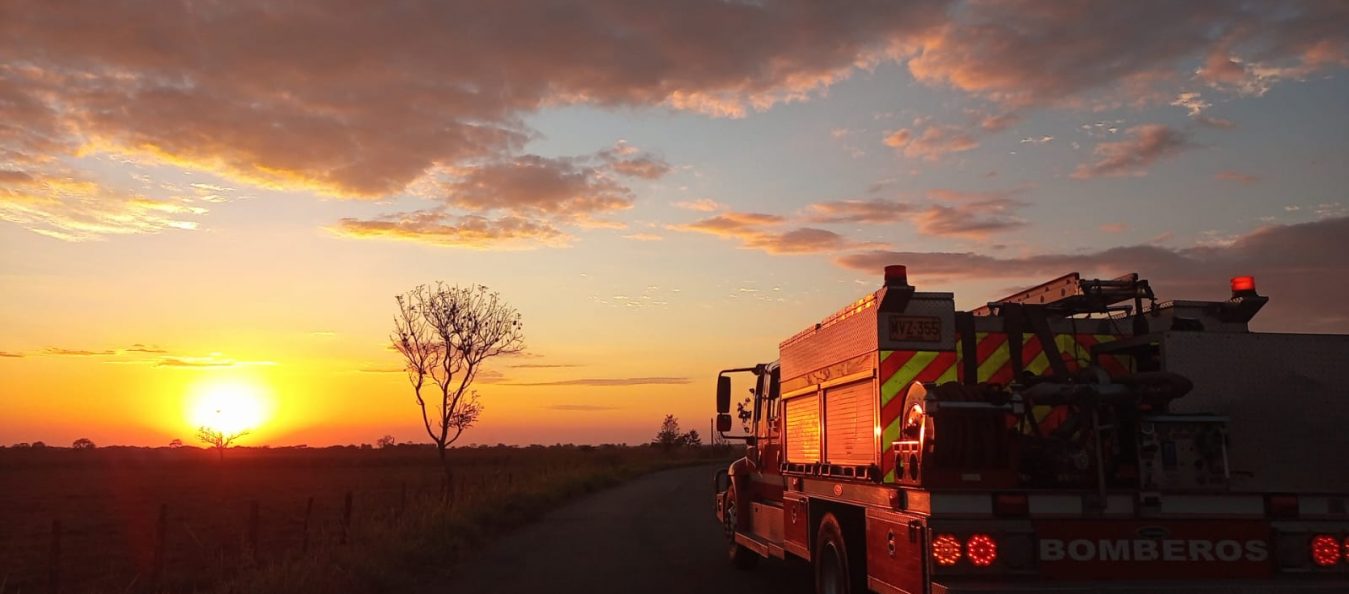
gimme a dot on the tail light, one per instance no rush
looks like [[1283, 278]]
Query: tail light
[[982, 550], [1325, 550], [946, 550]]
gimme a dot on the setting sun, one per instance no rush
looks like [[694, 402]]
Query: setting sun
[[229, 406]]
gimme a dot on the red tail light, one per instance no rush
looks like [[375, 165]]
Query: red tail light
[[982, 550], [946, 549], [1346, 549], [1325, 550]]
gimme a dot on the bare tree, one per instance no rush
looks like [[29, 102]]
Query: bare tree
[[218, 439], [444, 334]]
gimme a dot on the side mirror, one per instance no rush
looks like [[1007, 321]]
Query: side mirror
[[723, 423], [723, 395]]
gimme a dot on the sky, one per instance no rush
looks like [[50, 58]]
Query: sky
[[219, 200]]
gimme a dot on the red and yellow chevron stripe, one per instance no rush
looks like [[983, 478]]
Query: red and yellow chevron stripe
[[900, 369]]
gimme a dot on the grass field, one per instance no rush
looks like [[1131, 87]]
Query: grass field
[[178, 520]]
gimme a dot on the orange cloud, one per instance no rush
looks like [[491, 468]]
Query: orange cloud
[[930, 142], [363, 101], [440, 228], [970, 215], [1048, 52], [1144, 146], [859, 211], [759, 231]]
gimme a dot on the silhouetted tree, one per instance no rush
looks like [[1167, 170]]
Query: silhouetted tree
[[218, 439], [177, 443], [691, 439], [669, 436], [39, 445], [385, 442], [444, 334], [83, 443]]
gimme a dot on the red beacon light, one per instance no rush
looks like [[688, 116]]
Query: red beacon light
[[1243, 285], [896, 274]]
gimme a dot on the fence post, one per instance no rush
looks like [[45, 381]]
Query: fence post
[[253, 530], [54, 572], [308, 511], [161, 535], [346, 518]]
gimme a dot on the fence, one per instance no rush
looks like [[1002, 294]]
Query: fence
[[187, 551]]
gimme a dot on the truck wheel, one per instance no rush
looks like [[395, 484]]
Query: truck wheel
[[832, 571], [741, 557]]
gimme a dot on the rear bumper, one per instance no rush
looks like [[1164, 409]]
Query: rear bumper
[[1333, 586]]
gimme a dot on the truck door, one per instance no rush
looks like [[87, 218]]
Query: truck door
[[768, 423]]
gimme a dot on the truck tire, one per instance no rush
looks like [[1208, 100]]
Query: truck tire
[[741, 557], [833, 569]]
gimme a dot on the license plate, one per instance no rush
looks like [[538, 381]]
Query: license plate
[[915, 329]]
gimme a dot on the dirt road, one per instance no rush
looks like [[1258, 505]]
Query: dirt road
[[654, 535]]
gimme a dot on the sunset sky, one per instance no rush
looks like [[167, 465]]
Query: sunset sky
[[224, 197]]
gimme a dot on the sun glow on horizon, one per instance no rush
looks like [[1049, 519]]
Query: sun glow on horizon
[[229, 406]]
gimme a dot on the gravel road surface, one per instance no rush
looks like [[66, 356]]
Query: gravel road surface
[[653, 535]]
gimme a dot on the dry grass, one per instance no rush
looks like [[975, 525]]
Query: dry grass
[[108, 502]]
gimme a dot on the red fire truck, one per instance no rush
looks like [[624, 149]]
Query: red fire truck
[[1076, 437]]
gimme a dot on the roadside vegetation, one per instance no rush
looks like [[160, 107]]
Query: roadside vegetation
[[180, 519]]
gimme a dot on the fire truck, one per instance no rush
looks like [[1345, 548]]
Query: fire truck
[[1079, 436]]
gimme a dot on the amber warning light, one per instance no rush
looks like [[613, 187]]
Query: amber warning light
[[1243, 285]]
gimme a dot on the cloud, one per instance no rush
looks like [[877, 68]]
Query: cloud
[[1048, 52], [532, 195], [141, 348], [700, 205], [760, 231], [626, 381], [537, 185], [581, 407], [62, 205], [998, 122], [1195, 105], [213, 360], [76, 352], [438, 227], [930, 142], [1299, 266], [10, 355], [627, 160], [365, 100], [1143, 146], [1237, 176], [971, 215], [643, 237], [950, 213], [858, 211]]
